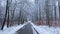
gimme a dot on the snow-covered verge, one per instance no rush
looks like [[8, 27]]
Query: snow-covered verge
[[34, 32], [11, 30], [43, 29]]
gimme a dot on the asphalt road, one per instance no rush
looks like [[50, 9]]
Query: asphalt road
[[25, 30]]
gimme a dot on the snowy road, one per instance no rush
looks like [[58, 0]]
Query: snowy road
[[30, 28], [25, 30]]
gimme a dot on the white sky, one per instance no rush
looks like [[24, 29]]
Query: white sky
[[32, 1], [2, 3]]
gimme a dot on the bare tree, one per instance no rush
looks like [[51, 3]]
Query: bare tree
[[5, 16], [47, 12], [13, 11], [59, 10]]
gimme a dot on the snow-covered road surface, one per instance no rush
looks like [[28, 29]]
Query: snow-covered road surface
[[25, 30]]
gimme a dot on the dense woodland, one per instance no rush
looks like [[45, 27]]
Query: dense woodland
[[40, 12]]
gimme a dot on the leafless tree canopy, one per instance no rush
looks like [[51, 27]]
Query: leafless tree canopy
[[45, 12]]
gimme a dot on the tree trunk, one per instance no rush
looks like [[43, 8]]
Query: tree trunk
[[8, 18], [5, 16], [47, 13]]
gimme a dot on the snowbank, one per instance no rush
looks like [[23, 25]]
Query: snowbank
[[42, 29], [11, 30]]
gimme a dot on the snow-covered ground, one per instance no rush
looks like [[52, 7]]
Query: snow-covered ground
[[11, 30], [43, 29]]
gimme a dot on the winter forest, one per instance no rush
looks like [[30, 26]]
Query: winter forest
[[29, 16]]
